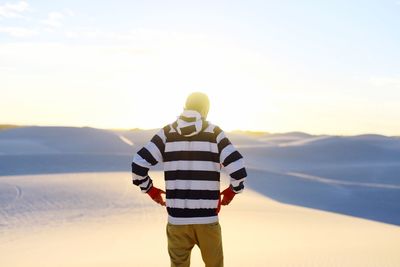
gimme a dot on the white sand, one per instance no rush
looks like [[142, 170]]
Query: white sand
[[100, 219]]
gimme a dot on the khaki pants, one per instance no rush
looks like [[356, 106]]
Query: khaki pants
[[182, 238]]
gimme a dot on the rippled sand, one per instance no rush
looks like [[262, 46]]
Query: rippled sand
[[100, 219]]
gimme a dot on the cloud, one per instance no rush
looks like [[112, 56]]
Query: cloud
[[386, 81], [149, 38], [13, 10], [69, 12], [18, 31], [54, 19], [7, 68]]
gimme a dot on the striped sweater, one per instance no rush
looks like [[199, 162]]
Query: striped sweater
[[193, 152]]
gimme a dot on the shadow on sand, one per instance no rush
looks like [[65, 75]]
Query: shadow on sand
[[369, 202], [365, 200]]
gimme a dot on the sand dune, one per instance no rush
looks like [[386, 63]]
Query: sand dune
[[100, 219], [340, 162], [85, 212], [45, 140]]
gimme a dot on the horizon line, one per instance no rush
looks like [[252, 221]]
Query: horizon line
[[5, 126]]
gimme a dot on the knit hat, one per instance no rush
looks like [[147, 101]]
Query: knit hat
[[199, 102]]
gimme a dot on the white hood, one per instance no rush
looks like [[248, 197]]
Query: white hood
[[189, 123]]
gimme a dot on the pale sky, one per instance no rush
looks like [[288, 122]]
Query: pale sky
[[322, 67]]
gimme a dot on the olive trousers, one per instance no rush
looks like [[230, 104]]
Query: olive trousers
[[182, 238]]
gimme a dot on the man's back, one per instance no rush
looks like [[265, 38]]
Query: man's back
[[193, 151]]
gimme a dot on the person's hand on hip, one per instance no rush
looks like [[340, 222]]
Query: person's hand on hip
[[155, 194], [227, 196]]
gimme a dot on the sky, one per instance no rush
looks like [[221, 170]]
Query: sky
[[322, 67]]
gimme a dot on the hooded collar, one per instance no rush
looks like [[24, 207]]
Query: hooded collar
[[190, 123]]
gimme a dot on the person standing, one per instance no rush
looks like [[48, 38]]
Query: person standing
[[193, 151]]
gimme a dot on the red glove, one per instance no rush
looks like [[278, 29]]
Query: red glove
[[228, 195], [155, 194]]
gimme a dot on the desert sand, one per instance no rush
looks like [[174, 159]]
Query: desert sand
[[101, 219]]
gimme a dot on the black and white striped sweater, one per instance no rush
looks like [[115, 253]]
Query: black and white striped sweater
[[193, 152]]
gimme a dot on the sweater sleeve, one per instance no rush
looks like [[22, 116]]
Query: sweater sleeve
[[147, 156], [232, 161]]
